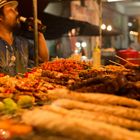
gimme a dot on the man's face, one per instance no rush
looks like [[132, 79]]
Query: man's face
[[10, 19]]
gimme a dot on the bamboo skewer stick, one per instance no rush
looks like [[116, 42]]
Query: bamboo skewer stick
[[122, 59], [29, 69], [115, 63], [36, 44], [20, 74]]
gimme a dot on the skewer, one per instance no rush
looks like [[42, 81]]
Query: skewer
[[122, 59], [29, 68], [116, 63], [21, 74]]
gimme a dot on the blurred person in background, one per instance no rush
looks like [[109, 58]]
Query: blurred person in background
[[15, 50], [134, 45]]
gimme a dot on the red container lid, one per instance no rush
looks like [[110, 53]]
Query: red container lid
[[139, 54], [129, 55]]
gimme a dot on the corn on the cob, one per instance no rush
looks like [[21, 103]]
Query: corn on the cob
[[96, 98], [77, 128], [98, 116], [125, 112]]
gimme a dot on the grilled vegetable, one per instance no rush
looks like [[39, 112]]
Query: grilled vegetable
[[26, 101], [10, 106]]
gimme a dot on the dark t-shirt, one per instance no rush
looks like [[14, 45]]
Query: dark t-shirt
[[17, 57]]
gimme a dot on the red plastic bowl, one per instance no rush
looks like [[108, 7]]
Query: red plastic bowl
[[130, 55]]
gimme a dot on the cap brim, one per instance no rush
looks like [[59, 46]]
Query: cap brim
[[12, 3]]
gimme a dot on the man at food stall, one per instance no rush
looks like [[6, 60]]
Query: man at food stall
[[14, 50]]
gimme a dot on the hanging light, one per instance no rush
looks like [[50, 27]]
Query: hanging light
[[130, 24], [103, 26], [109, 27], [84, 44], [114, 0], [78, 44], [134, 33]]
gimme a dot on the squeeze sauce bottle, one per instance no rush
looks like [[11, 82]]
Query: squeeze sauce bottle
[[96, 56]]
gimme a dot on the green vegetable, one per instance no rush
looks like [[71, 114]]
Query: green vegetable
[[25, 101], [10, 106], [1, 106]]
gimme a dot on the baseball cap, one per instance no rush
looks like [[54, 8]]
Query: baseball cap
[[5, 2]]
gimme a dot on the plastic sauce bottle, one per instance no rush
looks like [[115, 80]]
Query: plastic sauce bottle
[[96, 56]]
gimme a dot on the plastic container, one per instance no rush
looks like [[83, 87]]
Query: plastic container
[[130, 55]]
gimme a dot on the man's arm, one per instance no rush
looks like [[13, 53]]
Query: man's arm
[[43, 51]]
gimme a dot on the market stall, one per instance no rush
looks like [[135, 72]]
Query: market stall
[[69, 99]]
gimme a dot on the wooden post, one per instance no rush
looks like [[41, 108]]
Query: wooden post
[[35, 32], [100, 22], [97, 47]]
